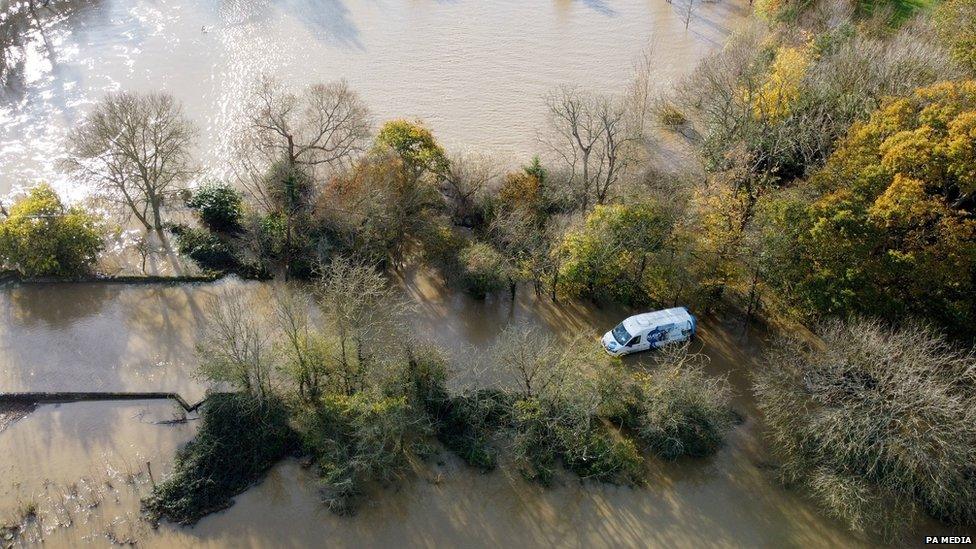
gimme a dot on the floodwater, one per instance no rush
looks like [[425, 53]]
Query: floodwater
[[475, 70], [139, 337]]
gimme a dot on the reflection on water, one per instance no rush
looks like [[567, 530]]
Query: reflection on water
[[141, 337], [83, 465], [475, 70], [73, 337]]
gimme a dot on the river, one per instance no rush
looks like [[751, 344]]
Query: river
[[475, 71]]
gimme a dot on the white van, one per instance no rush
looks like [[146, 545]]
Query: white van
[[650, 331]]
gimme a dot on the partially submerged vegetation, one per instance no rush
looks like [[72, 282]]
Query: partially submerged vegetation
[[335, 379], [239, 440], [878, 425]]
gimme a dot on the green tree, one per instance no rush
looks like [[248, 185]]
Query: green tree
[[42, 237], [415, 144], [379, 210], [611, 254]]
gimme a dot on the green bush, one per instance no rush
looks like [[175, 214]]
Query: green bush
[[535, 446], [550, 432], [205, 248], [464, 423], [358, 439], [483, 269], [219, 205], [42, 237], [671, 117], [605, 456], [239, 439]]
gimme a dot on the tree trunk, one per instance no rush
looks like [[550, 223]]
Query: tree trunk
[[752, 305]]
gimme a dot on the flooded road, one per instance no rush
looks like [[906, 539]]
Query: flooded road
[[476, 71], [140, 338]]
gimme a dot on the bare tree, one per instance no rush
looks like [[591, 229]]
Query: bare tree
[[323, 126], [877, 423], [236, 345], [304, 347], [291, 141], [465, 180], [362, 313], [592, 136], [639, 100], [539, 365], [687, 11], [136, 150]]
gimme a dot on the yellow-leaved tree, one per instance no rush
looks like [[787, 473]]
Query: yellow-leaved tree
[[893, 230]]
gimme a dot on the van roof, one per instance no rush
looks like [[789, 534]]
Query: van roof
[[639, 323]]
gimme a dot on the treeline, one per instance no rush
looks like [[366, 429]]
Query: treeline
[[328, 373]]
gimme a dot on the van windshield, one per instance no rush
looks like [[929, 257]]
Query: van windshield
[[621, 334]]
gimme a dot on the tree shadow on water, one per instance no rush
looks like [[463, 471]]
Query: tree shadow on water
[[55, 306], [328, 21]]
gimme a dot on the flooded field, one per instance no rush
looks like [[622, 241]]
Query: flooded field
[[726, 500], [476, 71]]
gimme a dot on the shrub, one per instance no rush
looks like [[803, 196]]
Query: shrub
[[483, 269], [670, 116], [205, 248], [464, 423], [684, 412], [875, 422], [357, 439], [956, 23], [238, 441], [549, 432], [603, 455], [219, 205], [42, 237], [534, 445]]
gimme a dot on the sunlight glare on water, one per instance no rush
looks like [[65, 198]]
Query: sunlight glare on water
[[476, 71]]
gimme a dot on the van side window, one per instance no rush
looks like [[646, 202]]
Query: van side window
[[634, 341]]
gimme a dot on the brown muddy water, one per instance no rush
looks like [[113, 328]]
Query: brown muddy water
[[85, 464], [475, 70]]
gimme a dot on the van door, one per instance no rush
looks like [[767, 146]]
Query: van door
[[636, 343], [645, 342]]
